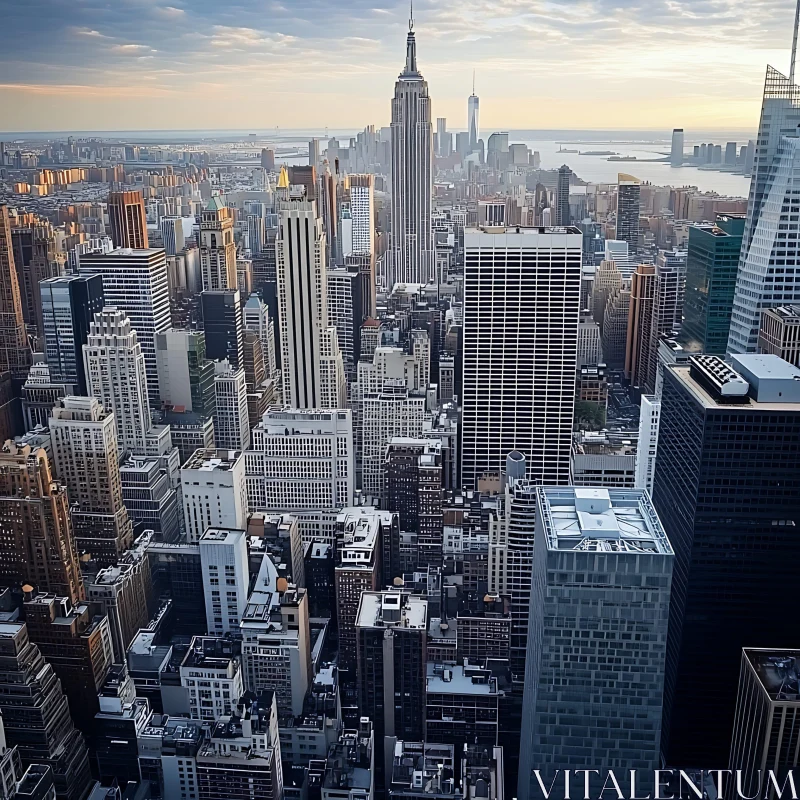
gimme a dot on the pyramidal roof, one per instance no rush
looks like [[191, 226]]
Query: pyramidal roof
[[283, 180], [215, 204]]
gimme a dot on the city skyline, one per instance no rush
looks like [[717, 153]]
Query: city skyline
[[144, 62]]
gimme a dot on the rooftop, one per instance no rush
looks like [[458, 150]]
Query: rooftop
[[594, 519], [392, 609], [461, 679], [786, 313], [229, 536], [213, 460], [778, 671]]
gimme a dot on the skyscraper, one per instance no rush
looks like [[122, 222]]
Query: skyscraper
[[223, 325], [473, 118], [86, 458], [521, 309], [562, 196], [231, 420], [135, 281], [772, 206], [313, 371], [602, 571], [115, 375], [676, 152], [15, 354], [36, 714], [217, 248], [727, 488], [628, 193], [362, 212], [128, 220], [69, 304], [638, 350], [412, 258], [38, 546]]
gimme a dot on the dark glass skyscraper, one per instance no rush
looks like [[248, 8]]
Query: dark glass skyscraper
[[711, 268], [727, 489], [224, 326], [69, 304]]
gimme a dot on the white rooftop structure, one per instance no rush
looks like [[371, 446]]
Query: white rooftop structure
[[617, 520]]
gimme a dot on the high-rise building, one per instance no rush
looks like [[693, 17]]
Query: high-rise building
[[226, 579], [151, 502], [362, 212], [628, 194], [69, 304], [185, 374], [267, 158], [15, 352], [86, 459], [779, 333], [772, 207], [473, 118], [313, 152], [639, 353], [276, 640], [256, 318], [647, 444], [128, 219], [313, 371], [77, 642], [135, 281], [231, 419], [676, 151], [242, 759], [211, 661], [413, 488], [412, 254], [726, 482], [767, 711], [344, 313], [360, 536], [223, 325], [124, 592], [614, 334], [524, 384], [214, 492], [605, 550], [305, 176], [562, 196], [217, 248], [38, 547], [391, 629], [116, 376], [510, 556], [669, 295], [36, 714], [711, 267], [394, 411], [303, 462]]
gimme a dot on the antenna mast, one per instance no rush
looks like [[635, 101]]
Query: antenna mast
[[794, 42]]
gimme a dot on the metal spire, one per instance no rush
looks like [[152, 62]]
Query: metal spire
[[411, 16], [473, 75], [794, 42]]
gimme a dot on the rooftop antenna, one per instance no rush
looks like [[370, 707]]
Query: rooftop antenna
[[473, 71], [411, 19], [794, 42]]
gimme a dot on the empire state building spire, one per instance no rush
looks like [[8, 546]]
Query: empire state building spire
[[411, 50], [411, 259]]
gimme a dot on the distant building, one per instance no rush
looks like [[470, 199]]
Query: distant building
[[628, 210], [128, 219]]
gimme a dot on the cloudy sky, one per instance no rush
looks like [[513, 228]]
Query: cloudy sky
[[587, 64]]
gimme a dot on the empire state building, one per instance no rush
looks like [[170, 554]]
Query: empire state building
[[412, 256]]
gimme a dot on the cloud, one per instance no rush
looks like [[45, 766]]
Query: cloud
[[528, 53]]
